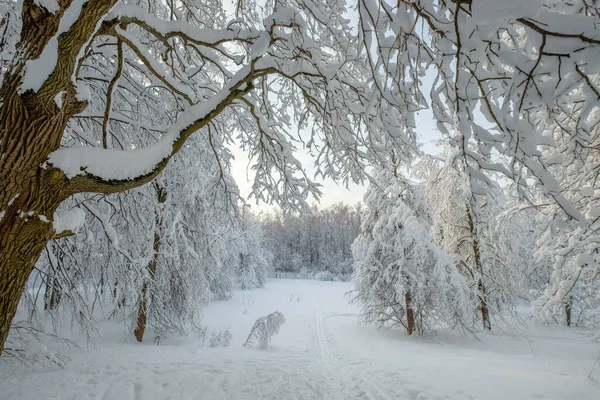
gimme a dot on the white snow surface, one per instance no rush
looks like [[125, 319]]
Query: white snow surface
[[50, 5], [498, 10], [68, 220], [320, 353]]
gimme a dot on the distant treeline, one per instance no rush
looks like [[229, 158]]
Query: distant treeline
[[315, 246]]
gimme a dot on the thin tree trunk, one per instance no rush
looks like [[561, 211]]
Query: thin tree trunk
[[115, 287], [52, 295], [142, 317], [410, 314], [568, 312], [482, 306], [122, 301], [55, 297], [485, 312]]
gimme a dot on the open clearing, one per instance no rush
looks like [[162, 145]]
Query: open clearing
[[320, 353]]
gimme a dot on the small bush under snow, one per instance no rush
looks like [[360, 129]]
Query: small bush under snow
[[264, 329], [222, 338]]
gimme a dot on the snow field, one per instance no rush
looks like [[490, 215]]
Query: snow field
[[320, 353]]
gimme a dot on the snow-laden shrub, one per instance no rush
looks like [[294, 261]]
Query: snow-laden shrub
[[325, 276], [401, 276], [221, 338], [25, 345], [264, 329]]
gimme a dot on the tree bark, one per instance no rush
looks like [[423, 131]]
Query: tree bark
[[142, 317], [32, 126], [30, 194], [410, 314], [568, 313], [482, 306], [21, 245]]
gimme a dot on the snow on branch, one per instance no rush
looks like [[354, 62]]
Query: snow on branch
[[208, 37], [68, 222], [264, 329], [50, 5], [125, 165]]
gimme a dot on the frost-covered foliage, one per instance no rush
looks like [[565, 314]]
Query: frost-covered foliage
[[117, 89], [26, 346], [492, 252], [163, 70], [402, 277], [568, 247], [10, 26], [102, 96], [506, 75], [174, 244], [264, 329], [255, 261], [315, 245], [515, 93], [221, 338], [568, 253]]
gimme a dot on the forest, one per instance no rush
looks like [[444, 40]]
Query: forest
[[121, 122]]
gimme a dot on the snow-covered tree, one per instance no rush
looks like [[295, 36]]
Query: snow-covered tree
[[506, 74], [254, 262], [401, 276], [74, 72], [155, 255], [465, 209], [567, 247], [508, 77], [313, 245]]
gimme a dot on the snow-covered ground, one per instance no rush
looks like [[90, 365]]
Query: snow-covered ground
[[320, 353]]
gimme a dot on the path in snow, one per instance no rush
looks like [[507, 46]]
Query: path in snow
[[320, 353]]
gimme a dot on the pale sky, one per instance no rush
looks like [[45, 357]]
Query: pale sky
[[332, 192]]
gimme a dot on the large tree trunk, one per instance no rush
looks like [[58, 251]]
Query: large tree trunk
[[142, 317], [21, 242], [30, 195], [31, 127]]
